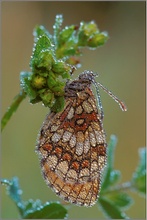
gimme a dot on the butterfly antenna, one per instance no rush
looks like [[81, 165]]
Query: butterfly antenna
[[121, 104]]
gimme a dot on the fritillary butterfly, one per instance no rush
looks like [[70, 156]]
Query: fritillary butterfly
[[72, 143]]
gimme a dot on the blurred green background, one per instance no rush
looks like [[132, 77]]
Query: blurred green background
[[121, 67]]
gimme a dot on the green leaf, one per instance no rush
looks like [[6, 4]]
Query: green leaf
[[39, 31], [12, 108], [110, 209], [59, 104], [111, 176], [33, 209], [43, 43], [66, 33], [32, 205], [120, 199], [45, 60], [67, 42], [115, 176], [139, 176], [46, 211], [111, 148]]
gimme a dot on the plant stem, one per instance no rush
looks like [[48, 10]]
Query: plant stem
[[5, 182], [12, 108], [121, 187], [14, 192]]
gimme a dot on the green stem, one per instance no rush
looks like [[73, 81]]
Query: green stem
[[13, 191], [121, 187], [12, 108], [5, 182]]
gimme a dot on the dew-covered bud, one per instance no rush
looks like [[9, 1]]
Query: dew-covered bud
[[97, 39], [47, 97], [38, 82]]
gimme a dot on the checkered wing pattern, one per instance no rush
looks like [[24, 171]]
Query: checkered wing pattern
[[72, 147]]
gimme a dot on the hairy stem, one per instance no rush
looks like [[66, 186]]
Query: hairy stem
[[5, 182], [121, 187]]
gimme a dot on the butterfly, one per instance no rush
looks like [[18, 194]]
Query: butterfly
[[72, 143]]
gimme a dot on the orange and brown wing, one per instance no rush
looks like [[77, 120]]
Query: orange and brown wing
[[72, 149]]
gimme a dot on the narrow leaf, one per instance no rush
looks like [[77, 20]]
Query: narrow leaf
[[115, 175], [111, 210], [120, 199], [109, 173], [47, 211], [12, 108], [31, 205], [139, 176], [111, 147]]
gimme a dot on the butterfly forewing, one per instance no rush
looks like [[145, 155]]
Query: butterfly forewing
[[72, 146]]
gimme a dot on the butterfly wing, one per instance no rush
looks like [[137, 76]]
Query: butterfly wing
[[72, 149]]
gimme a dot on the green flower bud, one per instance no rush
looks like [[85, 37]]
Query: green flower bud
[[38, 82], [47, 97], [59, 67], [86, 31], [55, 85], [62, 69], [90, 28], [97, 39]]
